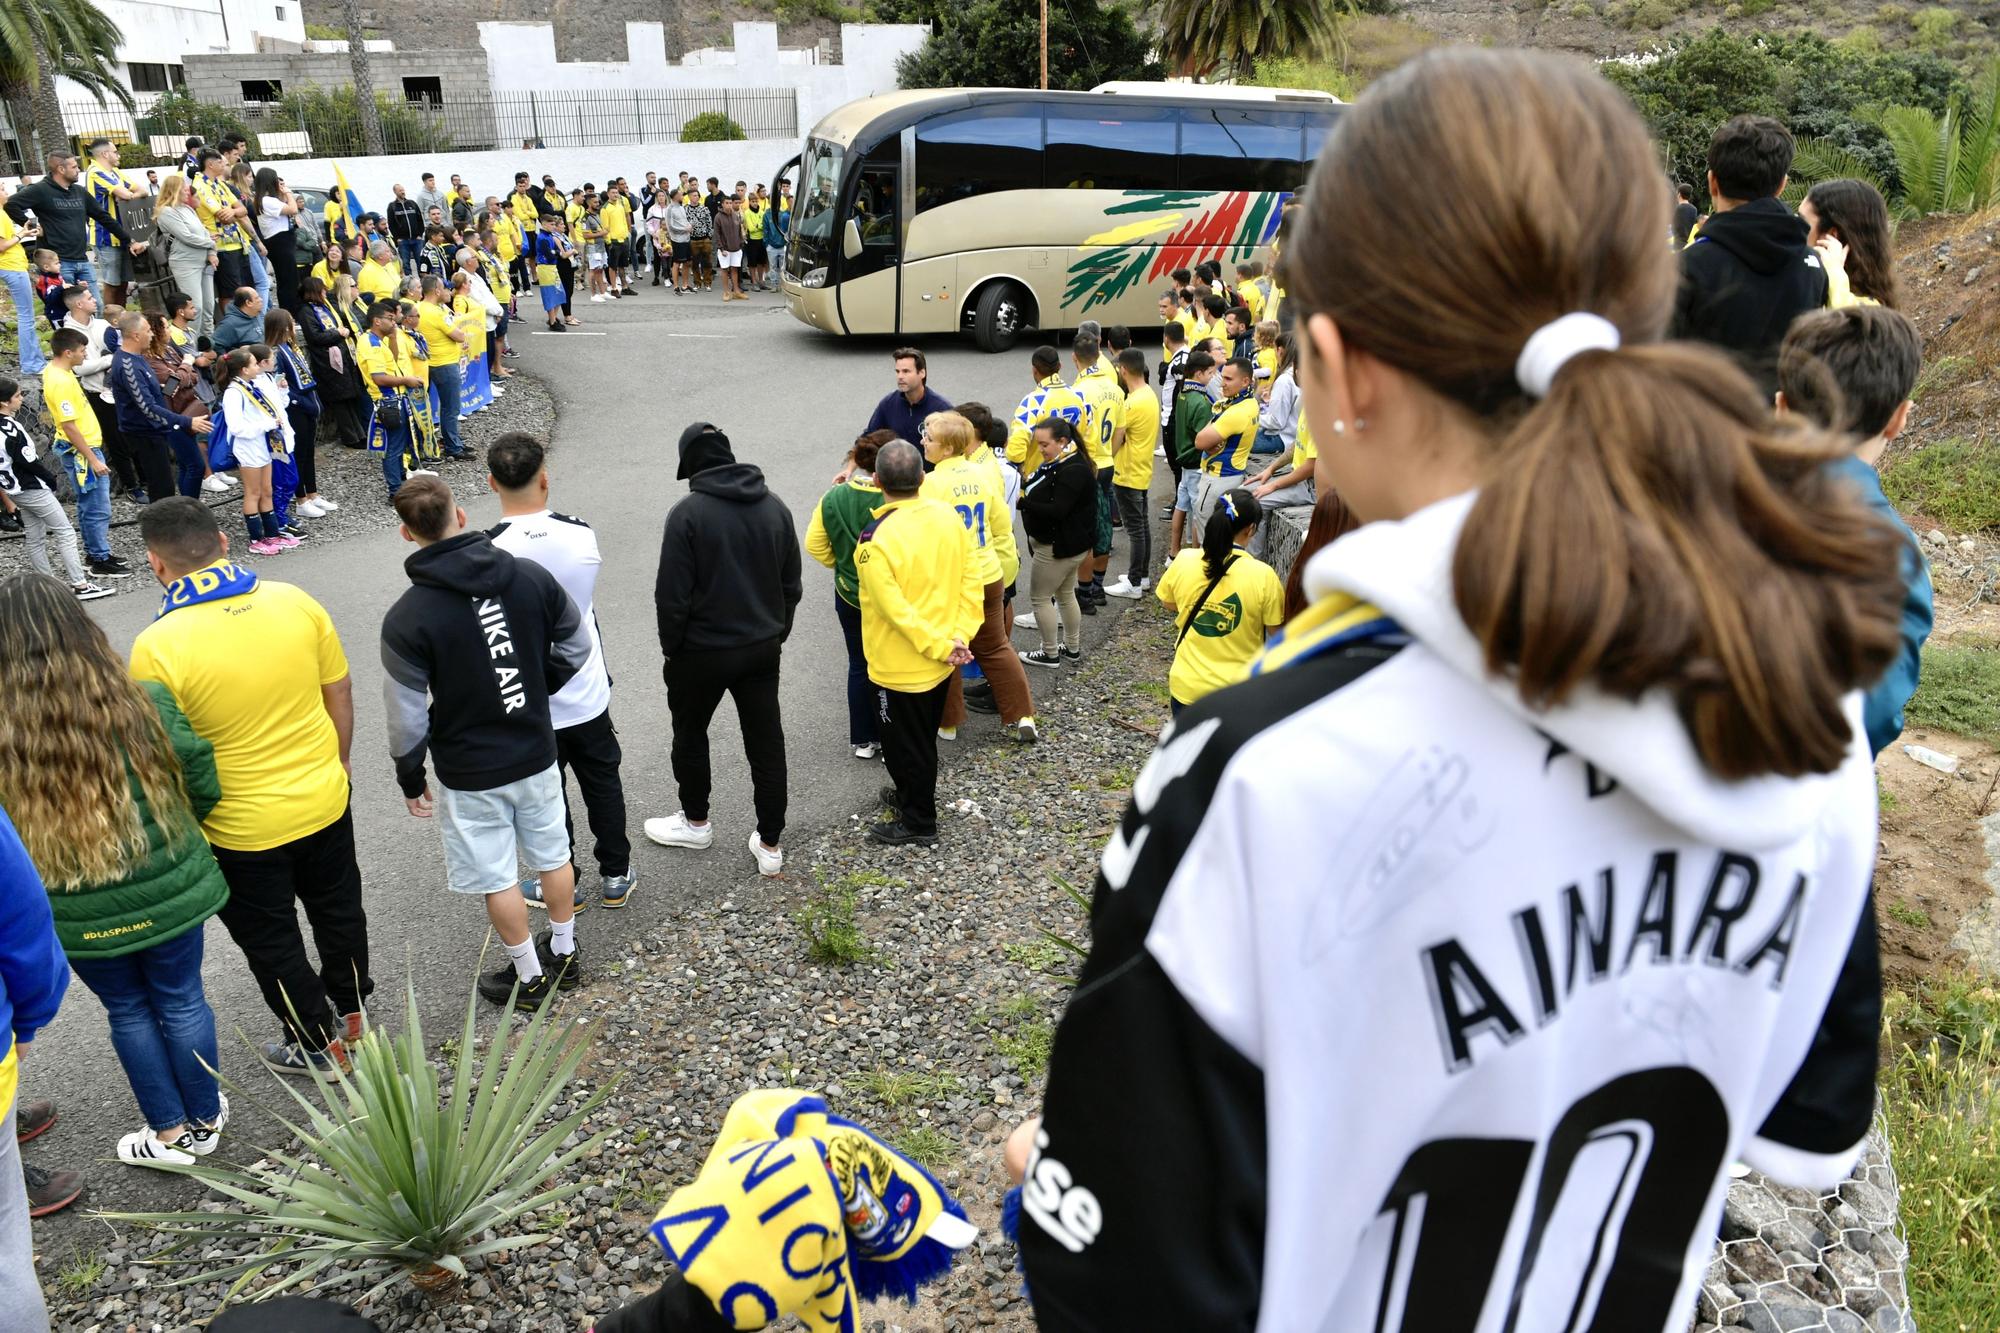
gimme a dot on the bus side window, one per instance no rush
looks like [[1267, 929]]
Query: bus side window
[[1115, 148], [978, 151], [1238, 148]]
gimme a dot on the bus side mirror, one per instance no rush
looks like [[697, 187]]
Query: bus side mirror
[[850, 240]]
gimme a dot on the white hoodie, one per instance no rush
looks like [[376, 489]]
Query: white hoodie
[[1411, 1009]]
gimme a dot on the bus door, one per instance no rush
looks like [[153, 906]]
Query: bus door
[[871, 241]]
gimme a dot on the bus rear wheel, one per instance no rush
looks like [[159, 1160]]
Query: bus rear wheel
[[999, 317]]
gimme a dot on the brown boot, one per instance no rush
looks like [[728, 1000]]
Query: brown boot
[[50, 1191]]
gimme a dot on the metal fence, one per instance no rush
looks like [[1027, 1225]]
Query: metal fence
[[317, 122]]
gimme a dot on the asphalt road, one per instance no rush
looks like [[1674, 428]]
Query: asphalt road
[[626, 383]]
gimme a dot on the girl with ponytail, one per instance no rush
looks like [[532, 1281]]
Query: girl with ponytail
[[1224, 601], [1443, 967]]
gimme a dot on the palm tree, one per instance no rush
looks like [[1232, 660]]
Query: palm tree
[[41, 39], [1207, 36], [1946, 163], [364, 79]]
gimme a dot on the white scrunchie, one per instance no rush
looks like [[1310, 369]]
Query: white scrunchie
[[1553, 344]]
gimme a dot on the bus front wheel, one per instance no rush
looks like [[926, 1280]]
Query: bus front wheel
[[999, 317]]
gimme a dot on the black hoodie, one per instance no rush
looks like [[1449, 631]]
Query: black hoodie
[[729, 562], [486, 639], [1744, 280]]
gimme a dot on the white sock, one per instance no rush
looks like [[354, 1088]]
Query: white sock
[[562, 937], [526, 966]]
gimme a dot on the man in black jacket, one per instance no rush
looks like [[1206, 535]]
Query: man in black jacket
[[1751, 272], [62, 207], [406, 228], [506, 636], [727, 589]]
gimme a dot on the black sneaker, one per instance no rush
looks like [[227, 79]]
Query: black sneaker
[[1087, 605], [50, 1191], [114, 568], [898, 834], [498, 984], [1069, 654], [567, 969], [137, 495], [1041, 658], [891, 798], [534, 994], [980, 703]]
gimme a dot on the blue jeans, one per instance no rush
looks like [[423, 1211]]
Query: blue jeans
[[395, 443], [21, 287], [188, 460], [93, 506], [863, 727], [1268, 442], [449, 381], [260, 275], [406, 254], [85, 272], [161, 1027]]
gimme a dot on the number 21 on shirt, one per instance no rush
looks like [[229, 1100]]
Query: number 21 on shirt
[[975, 519]]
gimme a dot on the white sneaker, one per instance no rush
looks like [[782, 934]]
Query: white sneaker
[[214, 484], [1123, 588], [309, 510], [1026, 620], [140, 1148], [201, 1139], [872, 750], [324, 503], [769, 863], [599, 299], [228, 478], [675, 831], [947, 733]]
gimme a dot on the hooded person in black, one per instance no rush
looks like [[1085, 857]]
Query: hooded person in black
[[470, 655], [728, 586], [1751, 272]]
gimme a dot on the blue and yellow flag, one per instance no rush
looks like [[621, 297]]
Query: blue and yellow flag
[[349, 202]]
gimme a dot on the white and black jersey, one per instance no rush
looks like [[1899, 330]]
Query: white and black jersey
[[1408, 1009], [567, 548]]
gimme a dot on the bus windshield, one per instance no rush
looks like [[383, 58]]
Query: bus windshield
[[813, 242]]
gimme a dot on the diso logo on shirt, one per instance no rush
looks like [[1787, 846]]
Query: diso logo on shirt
[[1067, 1211]]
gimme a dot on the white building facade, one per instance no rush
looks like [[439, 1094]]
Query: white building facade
[[159, 34]]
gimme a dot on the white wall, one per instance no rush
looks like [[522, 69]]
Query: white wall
[[493, 173], [163, 33], [522, 56]]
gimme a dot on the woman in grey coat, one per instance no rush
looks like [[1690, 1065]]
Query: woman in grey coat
[[191, 254]]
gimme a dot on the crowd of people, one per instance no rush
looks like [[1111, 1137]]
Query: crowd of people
[[378, 331], [1579, 610]]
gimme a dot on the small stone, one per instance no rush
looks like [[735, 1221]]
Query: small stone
[[1935, 536], [1972, 274]]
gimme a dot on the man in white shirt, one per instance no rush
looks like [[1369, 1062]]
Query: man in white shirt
[[586, 740]]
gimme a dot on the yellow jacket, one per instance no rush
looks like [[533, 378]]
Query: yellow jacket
[[1001, 520], [975, 494], [920, 590]]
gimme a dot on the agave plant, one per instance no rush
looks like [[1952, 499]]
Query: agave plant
[[396, 1179]]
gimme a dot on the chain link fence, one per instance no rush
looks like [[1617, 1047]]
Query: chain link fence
[[1791, 1261], [319, 122]]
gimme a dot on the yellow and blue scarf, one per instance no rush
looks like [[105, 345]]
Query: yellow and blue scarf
[[799, 1212], [210, 583]]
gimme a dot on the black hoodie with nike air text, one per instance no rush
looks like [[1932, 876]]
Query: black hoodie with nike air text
[[1744, 280], [470, 655]]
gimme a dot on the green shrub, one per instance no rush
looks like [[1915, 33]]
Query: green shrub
[[331, 117], [397, 1178], [711, 127], [1863, 40], [1955, 481], [1933, 28], [803, 11], [1958, 690], [831, 934], [1583, 9], [178, 114], [1651, 14]]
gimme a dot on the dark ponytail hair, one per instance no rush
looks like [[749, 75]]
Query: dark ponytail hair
[[1855, 211], [234, 366], [1234, 512], [1644, 525]]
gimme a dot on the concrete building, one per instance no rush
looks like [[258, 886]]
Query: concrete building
[[160, 36]]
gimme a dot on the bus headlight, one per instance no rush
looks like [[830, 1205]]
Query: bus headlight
[[815, 277]]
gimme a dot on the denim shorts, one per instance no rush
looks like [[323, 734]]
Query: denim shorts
[[488, 834], [1184, 494]]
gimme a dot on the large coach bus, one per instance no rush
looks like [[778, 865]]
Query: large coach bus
[[998, 210]]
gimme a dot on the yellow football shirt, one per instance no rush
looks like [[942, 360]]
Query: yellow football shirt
[[1251, 298], [248, 671], [1231, 626], [377, 282], [1236, 422], [15, 258], [975, 495], [63, 396], [1140, 416], [617, 218], [436, 322], [377, 357], [213, 199], [1101, 393]]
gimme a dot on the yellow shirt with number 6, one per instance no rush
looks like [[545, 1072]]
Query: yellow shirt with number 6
[[1140, 416]]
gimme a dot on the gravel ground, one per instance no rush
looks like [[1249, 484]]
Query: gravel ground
[[353, 477], [936, 1039]]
